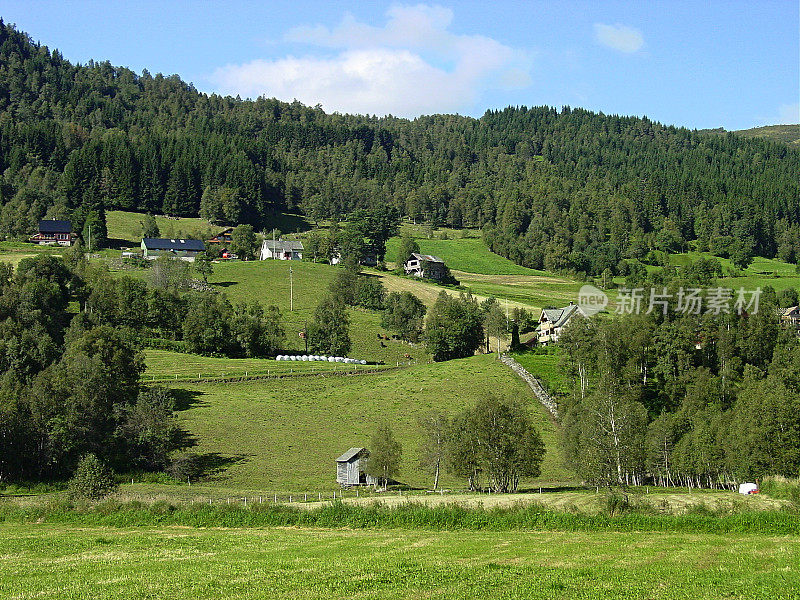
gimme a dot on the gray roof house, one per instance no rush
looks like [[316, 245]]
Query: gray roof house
[[426, 266], [553, 321], [282, 250], [186, 250], [350, 468]]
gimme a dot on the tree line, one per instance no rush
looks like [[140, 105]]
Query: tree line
[[490, 445], [69, 381], [564, 190], [699, 400]]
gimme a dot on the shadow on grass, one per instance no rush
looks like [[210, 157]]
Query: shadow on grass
[[119, 244], [224, 284], [186, 399], [213, 465]]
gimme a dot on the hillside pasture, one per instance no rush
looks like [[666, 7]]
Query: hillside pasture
[[166, 366], [268, 282], [470, 255], [125, 228], [283, 435]]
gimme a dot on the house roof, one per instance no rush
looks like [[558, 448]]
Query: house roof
[[54, 226], [350, 454], [177, 245], [283, 245], [427, 257], [559, 316]]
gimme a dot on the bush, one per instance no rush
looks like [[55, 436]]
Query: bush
[[92, 479], [782, 487], [185, 466]]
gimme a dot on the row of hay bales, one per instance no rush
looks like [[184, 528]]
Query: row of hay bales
[[316, 357]]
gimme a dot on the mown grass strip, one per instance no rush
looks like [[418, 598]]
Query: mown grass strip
[[531, 517]]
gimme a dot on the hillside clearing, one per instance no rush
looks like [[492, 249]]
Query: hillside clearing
[[284, 435]]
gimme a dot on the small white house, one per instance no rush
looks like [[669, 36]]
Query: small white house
[[425, 266], [282, 250], [553, 320]]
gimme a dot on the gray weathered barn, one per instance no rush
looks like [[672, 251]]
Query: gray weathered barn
[[350, 468]]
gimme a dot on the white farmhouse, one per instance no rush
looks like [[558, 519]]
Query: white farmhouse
[[282, 250]]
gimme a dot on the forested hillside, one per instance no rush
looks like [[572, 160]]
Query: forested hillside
[[557, 189]]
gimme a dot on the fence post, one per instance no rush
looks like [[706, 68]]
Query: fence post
[[275, 499]]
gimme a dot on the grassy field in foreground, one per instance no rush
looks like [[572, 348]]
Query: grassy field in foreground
[[284, 435], [57, 561]]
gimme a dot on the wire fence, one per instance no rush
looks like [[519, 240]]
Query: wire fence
[[255, 374]]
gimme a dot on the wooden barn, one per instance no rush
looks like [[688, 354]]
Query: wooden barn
[[350, 468]]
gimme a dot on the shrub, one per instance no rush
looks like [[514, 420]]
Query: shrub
[[185, 466], [92, 479]]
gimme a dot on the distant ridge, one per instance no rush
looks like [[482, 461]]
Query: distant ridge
[[788, 134]]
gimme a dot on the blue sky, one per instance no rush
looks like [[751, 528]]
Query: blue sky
[[696, 64]]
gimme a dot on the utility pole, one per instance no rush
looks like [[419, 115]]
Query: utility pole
[[291, 291]]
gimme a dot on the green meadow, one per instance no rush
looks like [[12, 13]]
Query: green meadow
[[67, 562], [126, 227], [283, 435]]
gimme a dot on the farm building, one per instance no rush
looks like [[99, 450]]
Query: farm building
[[553, 321], [223, 237], [790, 317], [350, 468], [282, 250], [369, 259], [52, 232], [425, 266], [186, 250]]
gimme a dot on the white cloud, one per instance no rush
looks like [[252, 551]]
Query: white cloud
[[411, 66], [619, 37], [788, 114]]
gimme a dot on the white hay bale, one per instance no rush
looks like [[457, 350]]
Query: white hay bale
[[747, 488]]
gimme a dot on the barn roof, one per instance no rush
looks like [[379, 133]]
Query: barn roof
[[350, 454], [168, 244], [283, 245], [427, 257], [54, 226], [559, 316]]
